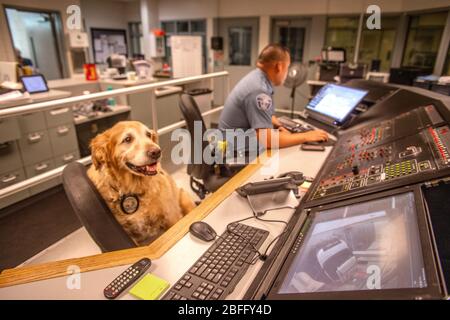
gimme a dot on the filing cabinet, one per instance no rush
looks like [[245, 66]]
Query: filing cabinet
[[9, 156], [59, 116], [167, 110], [9, 130], [63, 138], [35, 146], [38, 168], [32, 122], [9, 178], [63, 159]]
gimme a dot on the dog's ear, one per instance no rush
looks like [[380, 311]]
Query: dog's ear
[[155, 137], [99, 149]]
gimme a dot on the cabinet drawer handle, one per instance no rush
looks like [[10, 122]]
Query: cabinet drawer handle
[[68, 157], [59, 111], [41, 167], [34, 137], [5, 145], [9, 178], [63, 130]]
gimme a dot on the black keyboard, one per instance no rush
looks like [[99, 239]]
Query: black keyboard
[[293, 126], [215, 275]]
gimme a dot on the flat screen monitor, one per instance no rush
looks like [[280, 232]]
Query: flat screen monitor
[[335, 102], [364, 246], [34, 83]]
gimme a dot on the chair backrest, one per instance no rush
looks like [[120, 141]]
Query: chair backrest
[[93, 211], [191, 114]]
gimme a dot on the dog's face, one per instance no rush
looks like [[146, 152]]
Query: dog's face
[[129, 145]]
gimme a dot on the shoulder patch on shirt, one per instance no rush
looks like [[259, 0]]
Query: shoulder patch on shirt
[[263, 101]]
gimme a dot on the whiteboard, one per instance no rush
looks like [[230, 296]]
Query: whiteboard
[[186, 56]]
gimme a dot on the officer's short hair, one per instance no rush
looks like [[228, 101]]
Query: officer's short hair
[[272, 53]]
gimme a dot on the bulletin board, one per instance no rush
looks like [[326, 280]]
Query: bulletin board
[[186, 56]]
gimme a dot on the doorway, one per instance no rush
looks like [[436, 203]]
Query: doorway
[[38, 37], [240, 50], [291, 33]]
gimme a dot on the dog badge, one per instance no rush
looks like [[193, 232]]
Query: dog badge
[[129, 203], [263, 101]]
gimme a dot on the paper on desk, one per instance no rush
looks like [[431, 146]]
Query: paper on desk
[[13, 95]]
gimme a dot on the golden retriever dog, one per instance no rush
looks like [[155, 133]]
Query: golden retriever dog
[[126, 171]]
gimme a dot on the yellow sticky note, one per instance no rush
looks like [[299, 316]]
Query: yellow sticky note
[[150, 287]]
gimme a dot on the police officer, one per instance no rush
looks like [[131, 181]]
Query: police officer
[[250, 104]]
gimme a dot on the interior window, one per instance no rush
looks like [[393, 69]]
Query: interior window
[[240, 44], [377, 45], [423, 40], [36, 36], [342, 33], [292, 36]]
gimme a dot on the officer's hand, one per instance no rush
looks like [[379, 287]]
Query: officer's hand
[[316, 135], [283, 129]]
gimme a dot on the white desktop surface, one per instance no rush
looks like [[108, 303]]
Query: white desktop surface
[[36, 97], [174, 263]]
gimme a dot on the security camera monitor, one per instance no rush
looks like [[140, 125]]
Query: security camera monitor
[[334, 103], [361, 250]]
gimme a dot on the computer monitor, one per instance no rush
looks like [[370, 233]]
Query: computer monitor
[[375, 246], [334, 103], [34, 83]]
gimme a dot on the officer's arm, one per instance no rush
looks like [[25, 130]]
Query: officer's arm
[[287, 139], [276, 123]]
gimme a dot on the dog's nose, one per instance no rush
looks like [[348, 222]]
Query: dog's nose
[[154, 153]]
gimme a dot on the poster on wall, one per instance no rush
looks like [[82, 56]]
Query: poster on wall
[[186, 56], [108, 41]]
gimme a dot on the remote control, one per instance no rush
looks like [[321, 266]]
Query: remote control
[[126, 278]]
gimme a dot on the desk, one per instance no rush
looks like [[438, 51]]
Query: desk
[[175, 262], [36, 97]]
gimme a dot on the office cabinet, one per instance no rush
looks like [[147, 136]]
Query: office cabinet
[[40, 168], [9, 178], [32, 122], [63, 139], [35, 146], [9, 130], [167, 109], [63, 159], [9, 156], [59, 116]]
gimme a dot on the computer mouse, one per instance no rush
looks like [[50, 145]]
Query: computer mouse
[[203, 231]]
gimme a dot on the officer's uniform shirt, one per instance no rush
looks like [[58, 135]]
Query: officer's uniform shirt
[[249, 104]]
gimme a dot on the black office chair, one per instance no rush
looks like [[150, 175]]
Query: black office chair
[[92, 210], [204, 178]]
